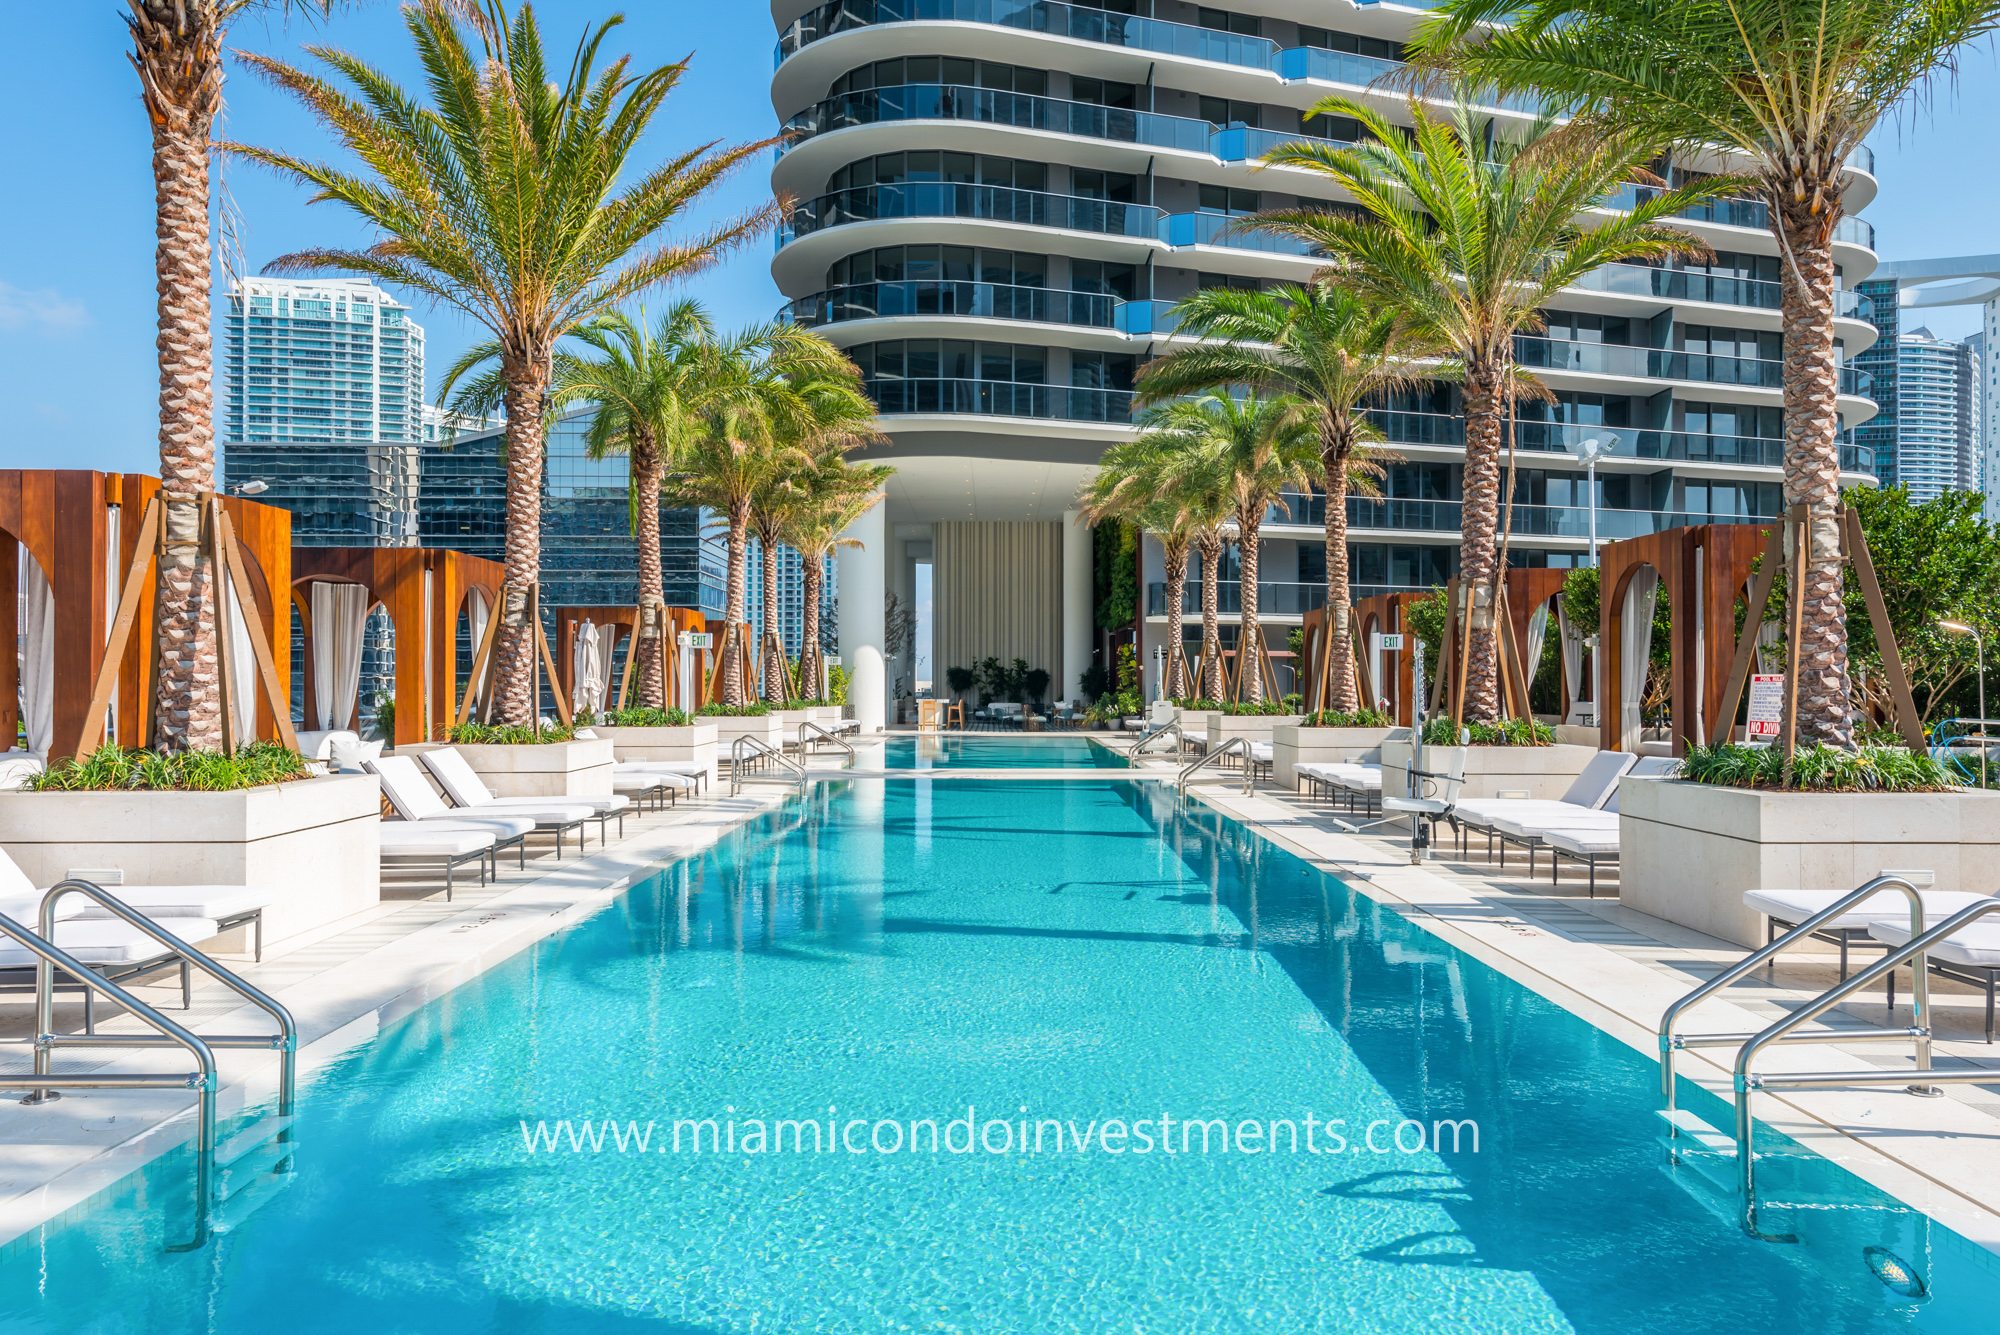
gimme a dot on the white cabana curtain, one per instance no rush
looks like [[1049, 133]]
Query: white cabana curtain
[[339, 617], [476, 613], [38, 656], [1642, 595], [1572, 652], [243, 661], [586, 670], [607, 649], [1538, 635]]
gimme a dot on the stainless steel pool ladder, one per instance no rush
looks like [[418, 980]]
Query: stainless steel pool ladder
[[1235, 746], [808, 727], [746, 746], [1146, 739], [1746, 1081], [43, 1084]]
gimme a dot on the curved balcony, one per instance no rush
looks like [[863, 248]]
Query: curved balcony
[[1001, 398], [1448, 430], [990, 106], [1734, 212], [1275, 598], [1404, 515], [964, 300], [1617, 359], [979, 203], [1641, 280]]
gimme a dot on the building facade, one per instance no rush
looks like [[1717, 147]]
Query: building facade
[[792, 599], [1000, 204], [320, 360], [1903, 286]]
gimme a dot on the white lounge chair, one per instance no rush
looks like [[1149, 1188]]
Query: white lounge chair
[[462, 784], [228, 906], [411, 794], [112, 948], [1590, 790], [1532, 827], [446, 847], [1786, 909], [1970, 955]]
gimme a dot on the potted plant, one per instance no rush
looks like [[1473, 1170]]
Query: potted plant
[[755, 720], [958, 680], [1328, 737], [1253, 722], [1512, 758], [258, 817], [659, 734], [524, 760]]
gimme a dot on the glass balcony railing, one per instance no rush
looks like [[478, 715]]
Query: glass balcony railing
[[990, 203], [975, 301], [1406, 515], [990, 106], [1000, 398], [1076, 22], [1274, 598], [1217, 229], [1319, 64], [1556, 354], [1734, 212]]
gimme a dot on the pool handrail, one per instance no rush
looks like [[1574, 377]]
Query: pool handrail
[[1671, 1041], [1234, 746], [1150, 736], [808, 726], [1746, 1082], [763, 750]]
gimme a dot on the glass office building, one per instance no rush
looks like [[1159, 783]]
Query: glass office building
[[320, 360]]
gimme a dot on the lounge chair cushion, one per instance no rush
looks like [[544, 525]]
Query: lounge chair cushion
[[465, 787], [411, 794], [1795, 906], [1539, 825], [1585, 843], [109, 943], [1976, 945], [402, 838], [174, 901], [659, 774], [1599, 778]]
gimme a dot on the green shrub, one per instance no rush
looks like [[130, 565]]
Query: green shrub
[[1818, 769], [1266, 709], [114, 769], [1513, 732], [1360, 718], [640, 716], [509, 734], [836, 683], [755, 709]]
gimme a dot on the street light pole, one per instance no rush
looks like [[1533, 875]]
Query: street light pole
[[1979, 657], [1589, 452]]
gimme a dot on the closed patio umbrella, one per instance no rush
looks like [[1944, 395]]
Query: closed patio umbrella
[[587, 671]]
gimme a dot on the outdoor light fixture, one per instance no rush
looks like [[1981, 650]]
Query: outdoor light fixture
[[1589, 451], [1979, 652], [256, 486]]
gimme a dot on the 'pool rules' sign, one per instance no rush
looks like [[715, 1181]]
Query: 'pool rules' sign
[[1767, 705]]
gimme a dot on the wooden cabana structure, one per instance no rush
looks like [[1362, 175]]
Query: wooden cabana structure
[[624, 622], [1703, 570], [423, 591], [82, 531]]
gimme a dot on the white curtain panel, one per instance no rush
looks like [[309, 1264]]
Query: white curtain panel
[[1538, 634], [1572, 651], [476, 613], [38, 656], [339, 614], [586, 674], [243, 661], [1641, 596], [607, 649]]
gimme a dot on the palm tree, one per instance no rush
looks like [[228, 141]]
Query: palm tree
[[1128, 485], [1252, 451], [1467, 236], [177, 51], [509, 198], [647, 385], [1795, 87], [772, 511], [778, 397], [835, 493], [1320, 345]]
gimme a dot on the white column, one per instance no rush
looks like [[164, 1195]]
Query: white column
[[1078, 587], [864, 587]]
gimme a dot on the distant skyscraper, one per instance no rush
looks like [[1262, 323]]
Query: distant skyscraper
[[791, 598], [323, 360], [1955, 281], [1934, 414]]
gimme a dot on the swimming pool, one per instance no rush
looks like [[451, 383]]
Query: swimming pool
[[982, 751], [904, 949]]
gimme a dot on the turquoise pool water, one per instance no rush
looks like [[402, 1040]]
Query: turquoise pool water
[[980, 751], [904, 949]]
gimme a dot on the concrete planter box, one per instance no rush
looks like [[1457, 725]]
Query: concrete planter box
[[827, 716], [315, 844], [1492, 771], [693, 744], [555, 769], [1688, 851], [1255, 727], [766, 728], [1294, 744]]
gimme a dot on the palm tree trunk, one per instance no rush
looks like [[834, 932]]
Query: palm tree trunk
[[178, 52], [1211, 616], [736, 605], [647, 469], [1177, 559], [1250, 662], [812, 579], [1336, 446], [770, 648], [1479, 556], [527, 379], [1812, 479]]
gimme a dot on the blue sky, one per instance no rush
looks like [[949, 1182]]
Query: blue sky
[[76, 302]]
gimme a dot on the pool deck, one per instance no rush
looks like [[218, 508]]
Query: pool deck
[[1612, 966]]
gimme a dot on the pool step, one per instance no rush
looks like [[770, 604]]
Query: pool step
[[251, 1167], [251, 1138], [1687, 1125]]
